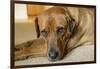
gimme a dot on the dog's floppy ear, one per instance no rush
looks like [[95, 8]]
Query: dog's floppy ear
[[71, 18], [74, 13], [72, 25], [37, 27]]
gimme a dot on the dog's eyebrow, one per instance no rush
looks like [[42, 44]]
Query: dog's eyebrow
[[59, 27]]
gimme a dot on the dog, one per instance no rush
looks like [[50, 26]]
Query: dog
[[65, 28]]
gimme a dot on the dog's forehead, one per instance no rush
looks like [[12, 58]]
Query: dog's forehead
[[60, 19], [53, 18]]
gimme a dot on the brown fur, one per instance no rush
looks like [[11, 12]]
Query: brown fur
[[29, 49], [78, 25]]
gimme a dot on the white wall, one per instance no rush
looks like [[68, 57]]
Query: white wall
[[20, 11]]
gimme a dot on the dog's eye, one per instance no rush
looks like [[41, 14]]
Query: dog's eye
[[44, 33], [60, 30]]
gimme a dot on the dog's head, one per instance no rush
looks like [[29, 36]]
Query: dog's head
[[56, 26]]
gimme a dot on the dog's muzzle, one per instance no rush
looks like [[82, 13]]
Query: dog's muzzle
[[53, 54]]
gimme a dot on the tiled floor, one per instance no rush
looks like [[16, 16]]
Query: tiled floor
[[24, 32]]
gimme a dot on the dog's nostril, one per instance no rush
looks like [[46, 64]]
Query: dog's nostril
[[53, 55]]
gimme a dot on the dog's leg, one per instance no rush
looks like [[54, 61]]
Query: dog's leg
[[32, 48]]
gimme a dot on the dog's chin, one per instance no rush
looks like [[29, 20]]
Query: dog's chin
[[53, 59], [56, 59]]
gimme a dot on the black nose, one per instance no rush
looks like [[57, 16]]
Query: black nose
[[53, 54]]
